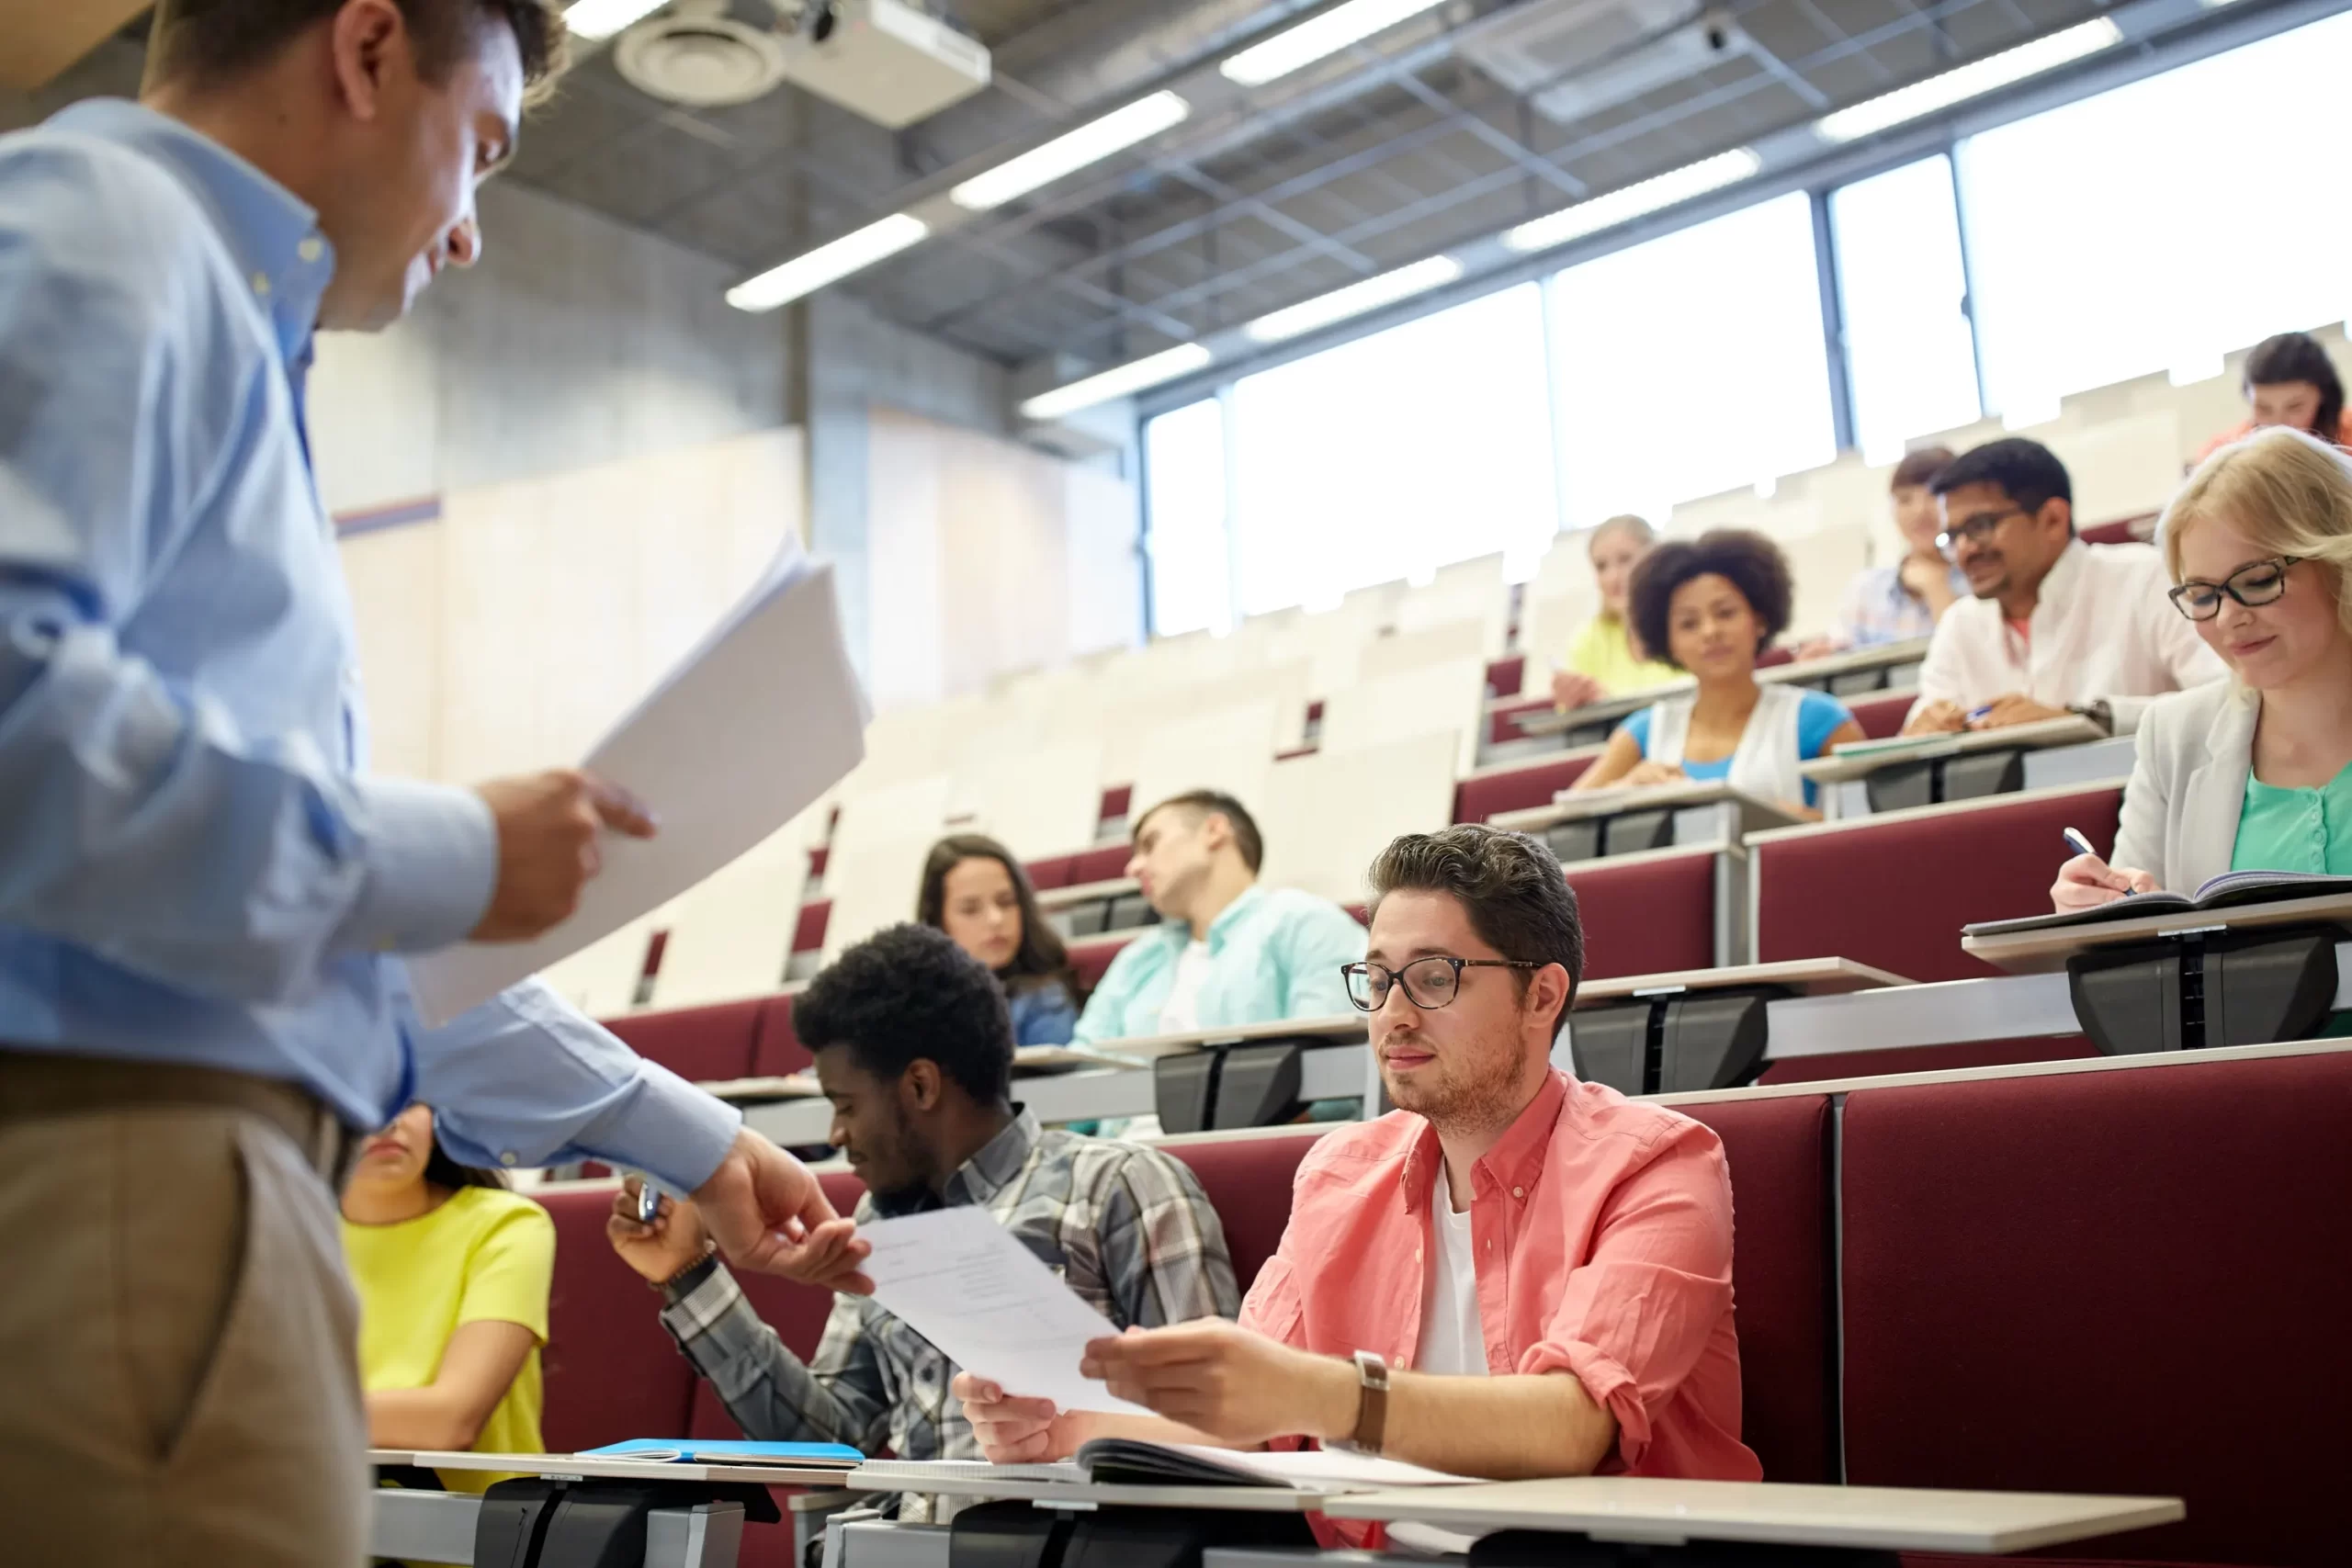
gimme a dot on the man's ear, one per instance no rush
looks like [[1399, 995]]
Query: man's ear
[[921, 1085], [1547, 990], [367, 40], [2058, 513]]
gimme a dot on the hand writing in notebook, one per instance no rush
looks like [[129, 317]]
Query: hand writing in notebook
[[2087, 882]]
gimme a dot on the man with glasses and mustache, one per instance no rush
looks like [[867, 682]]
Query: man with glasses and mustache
[[2056, 625], [1515, 1274]]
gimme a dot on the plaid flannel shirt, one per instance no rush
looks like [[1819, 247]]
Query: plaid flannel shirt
[[1128, 1228]]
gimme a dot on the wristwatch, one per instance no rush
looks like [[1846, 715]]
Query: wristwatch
[[2099, 713], [1372, 1415], [683, 1283]]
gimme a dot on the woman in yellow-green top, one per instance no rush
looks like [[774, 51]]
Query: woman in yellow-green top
[[1603, 660], [2252, 772], [453, 1273]]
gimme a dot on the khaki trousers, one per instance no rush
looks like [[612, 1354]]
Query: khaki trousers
[[179, 1375]]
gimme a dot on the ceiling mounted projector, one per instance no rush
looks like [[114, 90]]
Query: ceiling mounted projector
[[881, 60], [697, 54]]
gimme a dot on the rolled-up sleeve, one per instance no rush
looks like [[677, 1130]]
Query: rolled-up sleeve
[[1638, 1314], [524, 1080]]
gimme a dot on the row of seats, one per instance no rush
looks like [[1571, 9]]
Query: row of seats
[[2019, 1280]]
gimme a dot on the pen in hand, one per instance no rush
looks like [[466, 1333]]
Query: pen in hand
[[2078, 844]]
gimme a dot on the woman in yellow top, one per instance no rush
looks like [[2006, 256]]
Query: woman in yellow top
[[453, 1273], [1605, 660]]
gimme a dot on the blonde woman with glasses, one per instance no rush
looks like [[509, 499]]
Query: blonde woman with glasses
[[2252, 772]]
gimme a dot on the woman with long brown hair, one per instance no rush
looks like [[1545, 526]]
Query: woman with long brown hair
[[977, 892]]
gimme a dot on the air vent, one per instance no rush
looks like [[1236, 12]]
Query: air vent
[[1571, 59], [700, 56]]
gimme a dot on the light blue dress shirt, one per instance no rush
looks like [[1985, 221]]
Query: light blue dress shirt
[[194, 865], [1273, 955]]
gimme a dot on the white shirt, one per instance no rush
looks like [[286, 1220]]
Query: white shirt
[[1453, 1342], [2101, 630], [1181, 1013]]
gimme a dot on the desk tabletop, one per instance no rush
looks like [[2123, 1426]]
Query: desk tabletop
[[1805, 977], [612, 1467], [1885, 1519], [1095, 1495], [2039, 951], [1862, 758], [1338, 1027], [1577, 805]]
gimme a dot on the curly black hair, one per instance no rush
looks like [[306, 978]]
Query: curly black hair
[[908, 993], [1750, 561]]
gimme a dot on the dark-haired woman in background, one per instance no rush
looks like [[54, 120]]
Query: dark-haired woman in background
[[975, 891], [453, 1273], [2291, 380], [1710, 606]]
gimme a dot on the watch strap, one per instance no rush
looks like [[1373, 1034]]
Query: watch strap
[[1372, 1415]]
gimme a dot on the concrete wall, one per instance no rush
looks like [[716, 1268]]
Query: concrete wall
[[575, 340]]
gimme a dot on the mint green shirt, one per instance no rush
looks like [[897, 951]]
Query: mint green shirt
[[1273, 955], [2296, 830]]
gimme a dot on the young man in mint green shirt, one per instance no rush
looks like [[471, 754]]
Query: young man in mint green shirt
[[1230, 951]]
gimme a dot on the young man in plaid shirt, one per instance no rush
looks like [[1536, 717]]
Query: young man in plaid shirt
[[914, 1049]]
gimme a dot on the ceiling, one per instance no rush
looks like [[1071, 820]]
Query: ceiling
[[1387, 152]]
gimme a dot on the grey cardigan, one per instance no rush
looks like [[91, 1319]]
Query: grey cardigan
[[2194, 752]]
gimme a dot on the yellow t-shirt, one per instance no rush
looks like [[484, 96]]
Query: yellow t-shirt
[[1604, 651], [485, 1254]]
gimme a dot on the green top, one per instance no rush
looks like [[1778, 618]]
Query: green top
[[2296, 830]]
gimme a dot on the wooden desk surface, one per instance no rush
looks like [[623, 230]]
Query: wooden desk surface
[[1806, 976], [1883, 1519], [2033, 953]]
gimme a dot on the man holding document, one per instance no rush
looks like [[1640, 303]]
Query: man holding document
[[205, 897], [1513, 1275], [914, 1046]]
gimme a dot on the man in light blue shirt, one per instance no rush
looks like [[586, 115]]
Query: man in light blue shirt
[[1228, 951], [204, 895]]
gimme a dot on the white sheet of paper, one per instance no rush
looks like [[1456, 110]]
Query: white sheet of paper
[[762, 717], [967, 1284]]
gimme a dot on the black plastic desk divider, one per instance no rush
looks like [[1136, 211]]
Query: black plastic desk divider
[[1221, 1088], [541, 1522], [1674, 1044], [1541, 1548], [1025, 1534], [1622, 833], [2206, 988], [1970, 776]]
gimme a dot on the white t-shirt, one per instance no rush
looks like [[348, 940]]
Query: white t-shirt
[[1452, 1340], [1181, 1013]]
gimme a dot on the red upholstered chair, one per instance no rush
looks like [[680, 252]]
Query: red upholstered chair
[[1772, 658], [1479, 798], [1107, 863], [1928, 1058], [1647, 914], [1505, 676], [1248, 1180], [1052, 872], [808, 936], [1117, 802], [1882, 716], [1894, 891], [2131, 1281], [698, 1043], [1500, 727], [1782, 1279], [612, 1371], [1089, 959], [2122, 531], [777, 1049]]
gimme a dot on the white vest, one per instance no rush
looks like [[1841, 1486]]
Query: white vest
[[1765, 765]]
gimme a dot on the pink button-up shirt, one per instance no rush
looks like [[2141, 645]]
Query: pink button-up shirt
[[1602, 1229]]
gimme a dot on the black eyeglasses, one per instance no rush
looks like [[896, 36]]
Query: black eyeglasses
[[1976, 529], [1431, 982], [2256, 582]]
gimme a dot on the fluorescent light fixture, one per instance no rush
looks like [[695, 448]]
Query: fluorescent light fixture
[[1617, 207], [1071, 150], [602, 18], [1354, 300], [1326, 34], [828, 263], [1118, 381], [1977, 77]]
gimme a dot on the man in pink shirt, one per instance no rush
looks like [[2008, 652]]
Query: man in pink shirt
[[1514, 1274]]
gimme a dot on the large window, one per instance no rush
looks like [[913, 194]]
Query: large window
[[1909, 354], [1691, 363], [2161, 224], [1184, 459], [1393, 454]]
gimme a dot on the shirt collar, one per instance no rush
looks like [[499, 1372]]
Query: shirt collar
[[1177, 933], [987, 1173], [270, 232], [2058, 583], [1515, 1161]]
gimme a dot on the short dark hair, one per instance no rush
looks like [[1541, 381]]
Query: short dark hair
[[2298, 357], [1920, 468], [907, 994], [1752, 563], [1509, 885], [2028, 472], [211, 41], [1216, 803], [1041, 959]]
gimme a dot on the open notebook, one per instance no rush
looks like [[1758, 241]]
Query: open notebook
[[2230, 890], [1127, 1461]]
